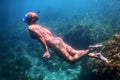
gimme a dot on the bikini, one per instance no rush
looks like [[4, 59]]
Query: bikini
[[54, 38]]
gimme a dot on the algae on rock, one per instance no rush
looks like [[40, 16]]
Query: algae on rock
[[99, 70]]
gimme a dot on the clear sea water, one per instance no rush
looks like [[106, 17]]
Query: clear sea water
[[79, 22]]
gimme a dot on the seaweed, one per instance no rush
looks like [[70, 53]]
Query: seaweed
[[105, 71]]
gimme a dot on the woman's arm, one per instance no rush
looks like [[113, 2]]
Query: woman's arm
[[36, 31], [46, 54]]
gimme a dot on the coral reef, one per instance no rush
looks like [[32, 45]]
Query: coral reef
[[13, 65], [23, 61], [78, 36], [98, 70]]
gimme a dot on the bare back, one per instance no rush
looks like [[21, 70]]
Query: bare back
[[39, 31]]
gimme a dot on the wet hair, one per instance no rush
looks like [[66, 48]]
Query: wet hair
[[30, 17]]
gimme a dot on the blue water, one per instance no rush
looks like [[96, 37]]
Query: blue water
[[79, 22]]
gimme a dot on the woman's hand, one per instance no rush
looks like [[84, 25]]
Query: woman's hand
[[46, 54]]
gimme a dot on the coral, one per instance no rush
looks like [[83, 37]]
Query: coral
[[12, 65], [78, 36], [105, 71]]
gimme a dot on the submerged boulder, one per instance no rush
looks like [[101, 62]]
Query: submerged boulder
[[95, 69]]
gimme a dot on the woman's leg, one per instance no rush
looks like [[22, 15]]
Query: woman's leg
[[76, 56], [66, 50], [98, 55], [72, 54], [81, 54], [62, 48], [70, 50]]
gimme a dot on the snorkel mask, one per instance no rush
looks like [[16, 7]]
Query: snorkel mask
[[31, 17], [26, 18]]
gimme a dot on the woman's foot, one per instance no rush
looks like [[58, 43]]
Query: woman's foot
[[91, 47], [95, 46], [99, 55]]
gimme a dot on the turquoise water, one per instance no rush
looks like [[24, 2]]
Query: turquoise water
[[79, 22]]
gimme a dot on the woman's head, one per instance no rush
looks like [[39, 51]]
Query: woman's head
[[30, 17]]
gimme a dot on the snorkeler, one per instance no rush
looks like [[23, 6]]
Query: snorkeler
[[56, 43]]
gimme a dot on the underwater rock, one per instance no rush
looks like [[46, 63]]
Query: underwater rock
[[13, 71], [12, 65], [52, 66], [97, 69], [78, 36]]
